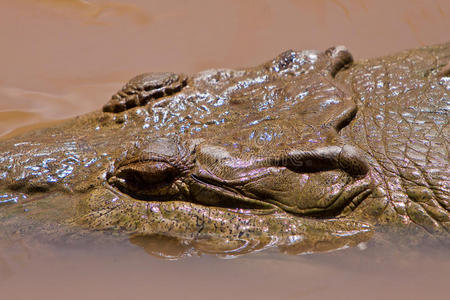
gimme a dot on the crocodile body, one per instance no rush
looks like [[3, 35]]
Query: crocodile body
[[305, 148]]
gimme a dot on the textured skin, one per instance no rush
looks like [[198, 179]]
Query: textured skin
[[281, 140], [143, 88], [294, 152], [403, 125]]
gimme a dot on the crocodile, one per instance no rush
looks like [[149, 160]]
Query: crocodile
[[310, 151]]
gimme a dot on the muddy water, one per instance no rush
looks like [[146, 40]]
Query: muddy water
[[128, 273], [61, 58]]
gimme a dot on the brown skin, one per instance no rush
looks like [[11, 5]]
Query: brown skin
[[402, 126], [307, 145]]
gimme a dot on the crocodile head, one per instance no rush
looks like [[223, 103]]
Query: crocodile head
[[281, 153], [264, 138]]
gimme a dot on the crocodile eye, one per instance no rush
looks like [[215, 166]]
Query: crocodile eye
[[147, 172], [145, 180]]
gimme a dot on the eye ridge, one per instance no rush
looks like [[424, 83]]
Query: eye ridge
[[149, 180], [148, 172]]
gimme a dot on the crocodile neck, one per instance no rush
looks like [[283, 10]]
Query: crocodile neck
[[403, 126]]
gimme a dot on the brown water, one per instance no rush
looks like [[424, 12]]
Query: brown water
[[60, 58], [128, 273]]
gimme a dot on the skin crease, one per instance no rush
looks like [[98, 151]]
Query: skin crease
[[291, 153]]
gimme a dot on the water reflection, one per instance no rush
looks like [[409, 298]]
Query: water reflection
[[172, 247], [112, 271]]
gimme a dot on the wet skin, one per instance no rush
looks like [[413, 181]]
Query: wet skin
[[309, 144]]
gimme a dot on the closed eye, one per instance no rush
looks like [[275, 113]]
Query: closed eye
[[146, 180], [147, 172]]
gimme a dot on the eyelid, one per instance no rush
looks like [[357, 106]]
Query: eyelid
[[148, 171]]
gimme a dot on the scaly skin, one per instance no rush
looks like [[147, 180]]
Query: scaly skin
[[402, 125], [305, 150]]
